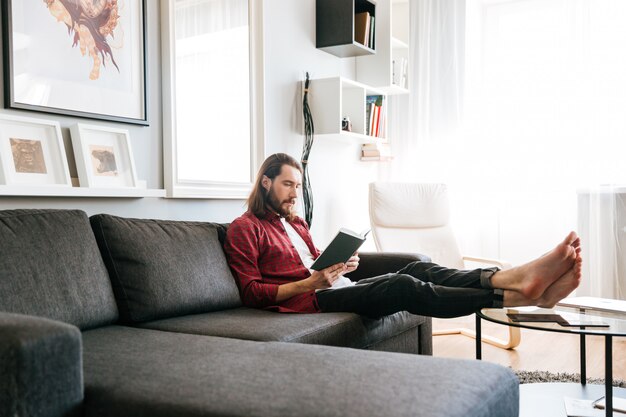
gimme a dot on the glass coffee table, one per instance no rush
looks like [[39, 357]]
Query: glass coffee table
[[547, 398]]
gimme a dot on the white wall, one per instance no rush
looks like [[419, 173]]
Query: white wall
[[339, 179]]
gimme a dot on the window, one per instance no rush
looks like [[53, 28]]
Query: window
[[212, 93]]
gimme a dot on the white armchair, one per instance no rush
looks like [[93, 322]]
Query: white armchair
[[415, 217]]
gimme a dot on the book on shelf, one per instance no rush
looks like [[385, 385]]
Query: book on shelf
[[370, 105], [369, 109], [380, 117], [375, 115], [375, 122], [372, 38], [362, 28], [405, 69], [378, 121], [340, 249], [399, 69]]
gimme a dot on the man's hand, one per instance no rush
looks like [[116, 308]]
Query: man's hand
[[352, 264], [317, 281], [325, 278]]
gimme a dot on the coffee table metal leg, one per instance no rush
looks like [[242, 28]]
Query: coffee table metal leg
[[608, 374], [479, 354], [583, 361]]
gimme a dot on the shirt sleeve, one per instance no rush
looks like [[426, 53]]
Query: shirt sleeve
[[242, 251]]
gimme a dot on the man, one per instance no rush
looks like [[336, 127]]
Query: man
[[270, 249]]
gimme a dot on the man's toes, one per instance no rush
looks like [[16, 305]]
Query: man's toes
[[571, 238]]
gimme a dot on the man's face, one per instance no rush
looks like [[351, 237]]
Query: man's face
[[283, 190]]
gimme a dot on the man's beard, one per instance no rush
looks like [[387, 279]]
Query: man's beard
[[275, 204]]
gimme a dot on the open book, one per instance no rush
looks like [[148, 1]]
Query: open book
[[342, 247]]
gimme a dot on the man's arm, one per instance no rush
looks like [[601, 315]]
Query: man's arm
[[318, 280], [242, 251]]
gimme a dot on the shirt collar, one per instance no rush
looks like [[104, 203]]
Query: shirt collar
[[271, 216]]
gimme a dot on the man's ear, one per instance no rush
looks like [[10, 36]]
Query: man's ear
[[266, 182]]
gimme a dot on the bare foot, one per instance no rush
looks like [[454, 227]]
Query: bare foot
[[532, 279], [562, 287]]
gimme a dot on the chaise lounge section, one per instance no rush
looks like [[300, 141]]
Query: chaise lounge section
[[133, 317]]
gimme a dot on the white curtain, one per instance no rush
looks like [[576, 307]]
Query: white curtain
[[519, 106]]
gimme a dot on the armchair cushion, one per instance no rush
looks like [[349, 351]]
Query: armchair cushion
[[164, 268], [40, 367], [409, 205]]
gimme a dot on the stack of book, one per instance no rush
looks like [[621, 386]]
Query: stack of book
[[375, 116], [376, 152], [364, 29]]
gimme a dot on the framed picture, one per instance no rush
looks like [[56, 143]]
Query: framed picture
[[32, 152], [77, 58], [104, 158]]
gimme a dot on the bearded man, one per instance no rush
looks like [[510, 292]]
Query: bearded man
[[270, 250]]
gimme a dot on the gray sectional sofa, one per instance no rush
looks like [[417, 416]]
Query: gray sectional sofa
[[110, 316]]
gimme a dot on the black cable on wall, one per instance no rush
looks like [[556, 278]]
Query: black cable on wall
[[307, 192]]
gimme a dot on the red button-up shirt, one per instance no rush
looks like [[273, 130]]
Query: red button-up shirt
[[262, 257]]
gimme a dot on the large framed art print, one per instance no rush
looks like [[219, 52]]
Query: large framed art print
[[82, 58]]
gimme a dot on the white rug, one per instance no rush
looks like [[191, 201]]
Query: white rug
[[530, 377]]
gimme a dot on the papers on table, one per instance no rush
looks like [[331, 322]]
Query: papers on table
[[575, 407]]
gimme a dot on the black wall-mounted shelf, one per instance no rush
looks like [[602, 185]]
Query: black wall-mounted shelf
[[334, 26]]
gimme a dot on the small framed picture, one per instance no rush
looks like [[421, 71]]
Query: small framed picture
[[32, 152], [104, 158]]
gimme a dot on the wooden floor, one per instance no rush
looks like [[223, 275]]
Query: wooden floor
[[538, 350]]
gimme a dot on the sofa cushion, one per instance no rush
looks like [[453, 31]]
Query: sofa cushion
[[334, 329], [139, 372], [50, 266], [164, 268]]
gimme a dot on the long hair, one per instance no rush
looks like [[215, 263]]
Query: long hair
[[271, 168]]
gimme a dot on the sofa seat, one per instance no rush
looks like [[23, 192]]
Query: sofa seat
[[334, 329], [140, 372]]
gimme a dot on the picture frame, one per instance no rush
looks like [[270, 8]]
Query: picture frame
[[32, 153], [104, 157], [45, 69]]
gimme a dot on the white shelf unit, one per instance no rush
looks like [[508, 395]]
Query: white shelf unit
[[60, 191], [392, 45], [332, 99]]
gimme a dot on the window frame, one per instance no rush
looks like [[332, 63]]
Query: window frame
[[175, 187]]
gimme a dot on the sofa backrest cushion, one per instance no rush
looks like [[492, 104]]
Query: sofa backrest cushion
[[162, 268], [50, 266]]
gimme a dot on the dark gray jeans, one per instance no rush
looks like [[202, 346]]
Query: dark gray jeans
[[422, 288]]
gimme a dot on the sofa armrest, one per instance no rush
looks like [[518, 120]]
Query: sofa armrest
[[40, 367], [373, 264], [379, 263]]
